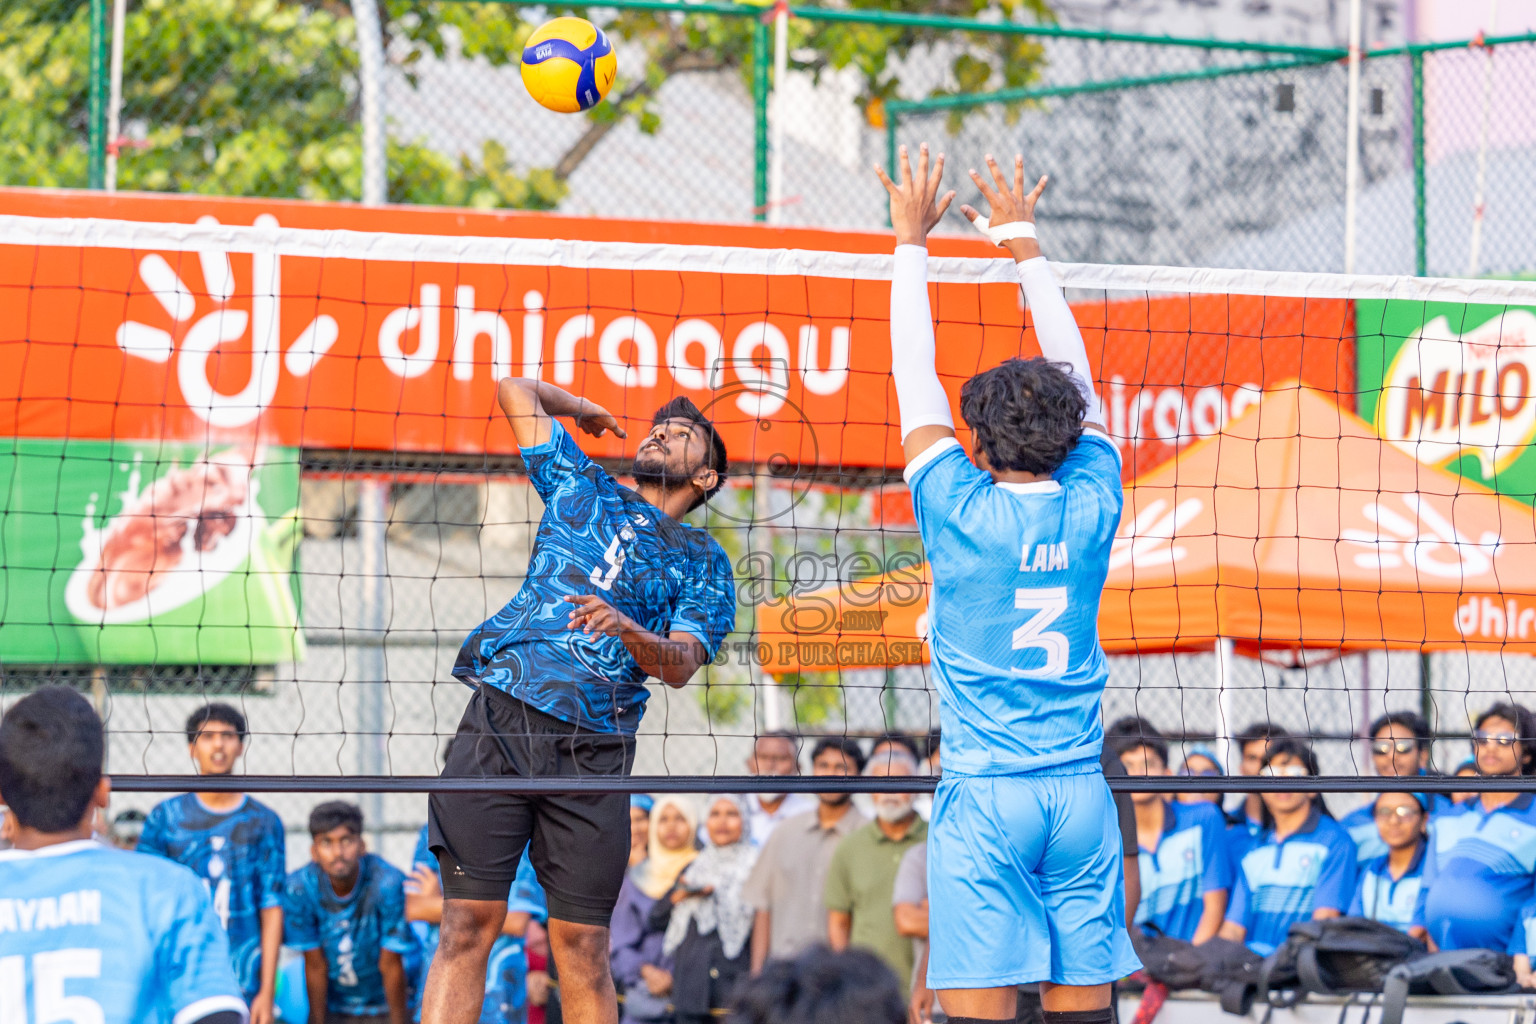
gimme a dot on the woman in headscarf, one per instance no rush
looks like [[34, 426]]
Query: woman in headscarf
[[640, 807], [707, 923], [640, 971]]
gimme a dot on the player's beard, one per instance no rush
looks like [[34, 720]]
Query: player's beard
[[651, 470]]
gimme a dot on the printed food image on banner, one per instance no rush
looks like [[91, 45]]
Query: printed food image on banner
[[1451, 385], [148, 553]]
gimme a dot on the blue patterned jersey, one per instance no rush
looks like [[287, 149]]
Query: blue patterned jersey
[[1479, 871], [1523, 939], [1190, 861], [1013, 622], [597, 537], [88, 933], [1389, 900], [351, 930], [240, 856], [1282, 881]]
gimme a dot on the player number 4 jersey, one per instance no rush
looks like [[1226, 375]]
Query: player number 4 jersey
[[1013, 620]]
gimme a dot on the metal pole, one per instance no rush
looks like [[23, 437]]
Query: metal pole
[[1352, 138], [776, 149], [370, 66], [1479, 196], [760, 60], [115, 93], [770, 693], [1224, 728], [1420, 218], [371, 664], [97, 113]]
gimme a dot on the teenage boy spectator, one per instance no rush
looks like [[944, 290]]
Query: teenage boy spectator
[[1399, 747], [345, 911], [774, 753], [1182, 856], [1305, 866], [1389, 884], [1245, 823], [787, 882], [236, 846], [1477, 873]]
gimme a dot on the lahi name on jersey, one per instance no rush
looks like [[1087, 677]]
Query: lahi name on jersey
[[1046, 558], [82, 906]]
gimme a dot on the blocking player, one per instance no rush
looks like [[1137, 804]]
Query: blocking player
[[236, 846], [618, 590], [88, 932], [1024, 839]]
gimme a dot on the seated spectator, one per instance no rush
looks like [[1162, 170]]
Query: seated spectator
[[707, 923], [909, 899], [1467, 769], [1388, 890], [1478, 871], [1399, 747], [345, 911], [1200, 763], [639, 827], [1521, 942], [819, 987], [1245, 822], [126, 829], [773, 753], [1129, 729], [893, 741], [1303, 868], [640, 970], [1182, 857]]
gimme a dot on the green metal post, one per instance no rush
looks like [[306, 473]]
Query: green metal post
[[762, 55], [891, 117], [1420, 225], [97, 111]]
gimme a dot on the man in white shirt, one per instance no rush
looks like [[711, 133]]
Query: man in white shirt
[[774, 753]]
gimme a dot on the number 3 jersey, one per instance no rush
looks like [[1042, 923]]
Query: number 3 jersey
[[597, 537], [351, 930], [89, 933], [239, 855], [1013, 620]]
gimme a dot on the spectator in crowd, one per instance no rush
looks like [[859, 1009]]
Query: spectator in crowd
[[909, 910], [641, 972], [126, 829], [1399, 747], [1201, 763], [1245, 823], [774, 753], [894, 741], [345, 911], [640, 807], [786, 884], [1477, 873], [1182, 861], [1303, 868], [820, 987], [1389, 885], [1128, 729], [931, 765], [707, 923], [1467, 769], [862, 875], [1521, 942], [236, 846]]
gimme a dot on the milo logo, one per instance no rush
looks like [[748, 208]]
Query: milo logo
[[1447, 394]]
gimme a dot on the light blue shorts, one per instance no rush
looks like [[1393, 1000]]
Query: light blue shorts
[[1025, 881]]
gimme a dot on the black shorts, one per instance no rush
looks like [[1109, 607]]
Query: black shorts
[[579, 843]]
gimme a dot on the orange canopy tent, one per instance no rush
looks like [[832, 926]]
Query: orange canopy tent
[[1294, 527]]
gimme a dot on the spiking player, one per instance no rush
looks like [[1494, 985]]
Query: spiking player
[[1024, 869], [618, 589], [89, 933]]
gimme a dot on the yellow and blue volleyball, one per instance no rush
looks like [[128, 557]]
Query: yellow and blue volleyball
[[568, 65]]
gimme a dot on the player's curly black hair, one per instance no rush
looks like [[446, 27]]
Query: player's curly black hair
[[1026, 414], [682, 408]]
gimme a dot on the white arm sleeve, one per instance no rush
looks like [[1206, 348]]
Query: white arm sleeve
[[1056, 329], [918, 390]]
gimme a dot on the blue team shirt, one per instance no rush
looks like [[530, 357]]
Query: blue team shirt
[[1283, 881], [107, 935], [1480, 869], [1242, 835], [597, 537], [1523, 939], [1190, 861], [240, 856], [350, 930], [1360, 823], [1013, 621], [1389, 900]]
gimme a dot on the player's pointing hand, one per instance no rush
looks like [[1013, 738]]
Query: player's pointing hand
[[591, 614], [594, 419]]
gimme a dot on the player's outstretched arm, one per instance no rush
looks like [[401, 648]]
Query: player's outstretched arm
[[530, 405], [915, 209], [1055, 326]]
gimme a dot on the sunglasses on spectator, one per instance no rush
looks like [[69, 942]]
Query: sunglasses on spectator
[[1384, 747], [1400, 813], [1200, 773], [1289, 771], [1503, 739]]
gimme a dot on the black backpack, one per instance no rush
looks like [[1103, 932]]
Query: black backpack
[[1228, 969], [1457, 972], [1344, 954]]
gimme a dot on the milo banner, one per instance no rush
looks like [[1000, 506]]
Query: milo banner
[[165, 553], [1451, 385]]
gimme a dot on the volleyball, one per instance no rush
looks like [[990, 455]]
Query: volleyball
[[568, 65]]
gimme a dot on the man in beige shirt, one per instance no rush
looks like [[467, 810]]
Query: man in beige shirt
[[786, 883]]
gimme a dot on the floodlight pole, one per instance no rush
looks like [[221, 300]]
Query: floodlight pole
[[1479, 196], [1352, 138], [115, 93], [370, 68]]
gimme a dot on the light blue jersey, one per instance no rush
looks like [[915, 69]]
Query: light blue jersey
[[1189, 862], [351, 930], [1360, 823], [1283, 881], [89, 933], [1479, 871], [1523, 939], [1013, 622], [241, 858], [1389, 900]]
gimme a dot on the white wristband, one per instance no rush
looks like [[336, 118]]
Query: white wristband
[[1006, 232]]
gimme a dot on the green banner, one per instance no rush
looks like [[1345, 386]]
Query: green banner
[[152, 553], [1451, 384]]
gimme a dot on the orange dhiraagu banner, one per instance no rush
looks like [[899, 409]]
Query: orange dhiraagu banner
[[369, 354]]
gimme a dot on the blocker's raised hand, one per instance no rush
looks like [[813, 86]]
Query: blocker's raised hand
[[1007, 205], [915, 203]]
